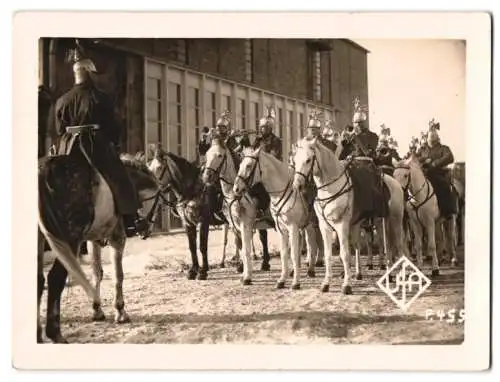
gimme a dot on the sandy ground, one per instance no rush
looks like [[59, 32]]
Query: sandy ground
[[165, 307]]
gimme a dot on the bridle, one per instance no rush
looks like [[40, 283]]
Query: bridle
[[412, 196], [218, 170]]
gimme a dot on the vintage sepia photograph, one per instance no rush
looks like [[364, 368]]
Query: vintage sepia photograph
[[254, 191]]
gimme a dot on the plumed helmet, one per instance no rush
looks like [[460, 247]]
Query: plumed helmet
[[224, 119], [385, 133], [314, 120], [269, 117], [80, 60], [360, 111]]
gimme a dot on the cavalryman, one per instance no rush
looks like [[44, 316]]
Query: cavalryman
[[85, 104], [313, 130], [361, 141], [412, 147], [435, 162], [266, 139], [384, 152]]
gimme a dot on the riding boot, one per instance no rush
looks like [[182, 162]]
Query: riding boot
[[135, 224]]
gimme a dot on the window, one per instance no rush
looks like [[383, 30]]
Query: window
[[314, 75], [257, 115], [194, 100], [154, 111], [301, 125], [226, 103], [249, 60], [291, 123], [211, 106], [280, 122], [241, 121], [175, 113]]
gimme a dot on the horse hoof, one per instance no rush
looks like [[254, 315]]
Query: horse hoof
[[325, 288], [99, 316], [454, 262], [435, 273], [383, 267], [122, 318], [255, 257], [239, 268], [202, 275], [265, 267], [292, 272], [246, 282], [342, 274], [280, 285], [359, 276], [369, 267], [296, 286], [192, 274], [311, 273], [392, 278], [320, 263], [222, 265], [59, 339], [346, 289]]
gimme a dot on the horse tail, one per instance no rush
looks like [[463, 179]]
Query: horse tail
[[47, 217]]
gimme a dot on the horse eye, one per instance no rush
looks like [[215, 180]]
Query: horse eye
[[219, 155], [307, 161]]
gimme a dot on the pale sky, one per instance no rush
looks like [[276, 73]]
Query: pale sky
[[412, 81]]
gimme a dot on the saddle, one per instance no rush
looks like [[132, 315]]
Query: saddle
[[371, 195], [447, 196]]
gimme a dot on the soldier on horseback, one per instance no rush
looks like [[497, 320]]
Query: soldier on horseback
[[435, 160], [86, 107], [386, 151], [359, 146], [327, 136]]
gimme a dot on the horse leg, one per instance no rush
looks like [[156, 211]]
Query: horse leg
[[431, 246], [117, 245], [295, 252], [312, 240], [320, 257], [356, 241], [327, 233], [246, 236], [255, 257], [451, 231], [284, 254], [345, 255], [369, 240], [56, 283], [40, 285], [223, 260], [265, 266], [204, 230], [418, 235], [193, 270], [95, 252], [439, 239]]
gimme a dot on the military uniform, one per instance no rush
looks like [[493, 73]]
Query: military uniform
[[270, 143], [435, 160], [85, 104], [353, 147]]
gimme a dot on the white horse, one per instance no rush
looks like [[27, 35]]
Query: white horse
[[424, 213], [241, 213], [288, 208], [334, 205]]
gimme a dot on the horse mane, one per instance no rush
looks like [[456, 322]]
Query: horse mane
[[132, 161]]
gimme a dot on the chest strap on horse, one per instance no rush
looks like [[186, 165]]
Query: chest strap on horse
[[78, 128]]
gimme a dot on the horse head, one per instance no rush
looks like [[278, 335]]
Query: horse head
[[407, 169], [249, 172], [216, 159], [304, 158]]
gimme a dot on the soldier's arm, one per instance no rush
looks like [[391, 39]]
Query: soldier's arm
[[445, 158], [59, 113], [278, 148]]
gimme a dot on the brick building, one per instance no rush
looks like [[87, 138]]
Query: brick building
[[166, 90]]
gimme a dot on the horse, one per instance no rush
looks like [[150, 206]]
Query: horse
[[289, 209], [75, 204], [336, 208], [458, 180], [193, 202], [423, 211], [222, 164]]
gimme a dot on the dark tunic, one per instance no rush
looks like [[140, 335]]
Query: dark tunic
[[440, 177], [84, 104], [367, 138], [270, 144]]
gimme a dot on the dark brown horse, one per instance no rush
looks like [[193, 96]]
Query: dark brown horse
[[75, 205], [193, 202]]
